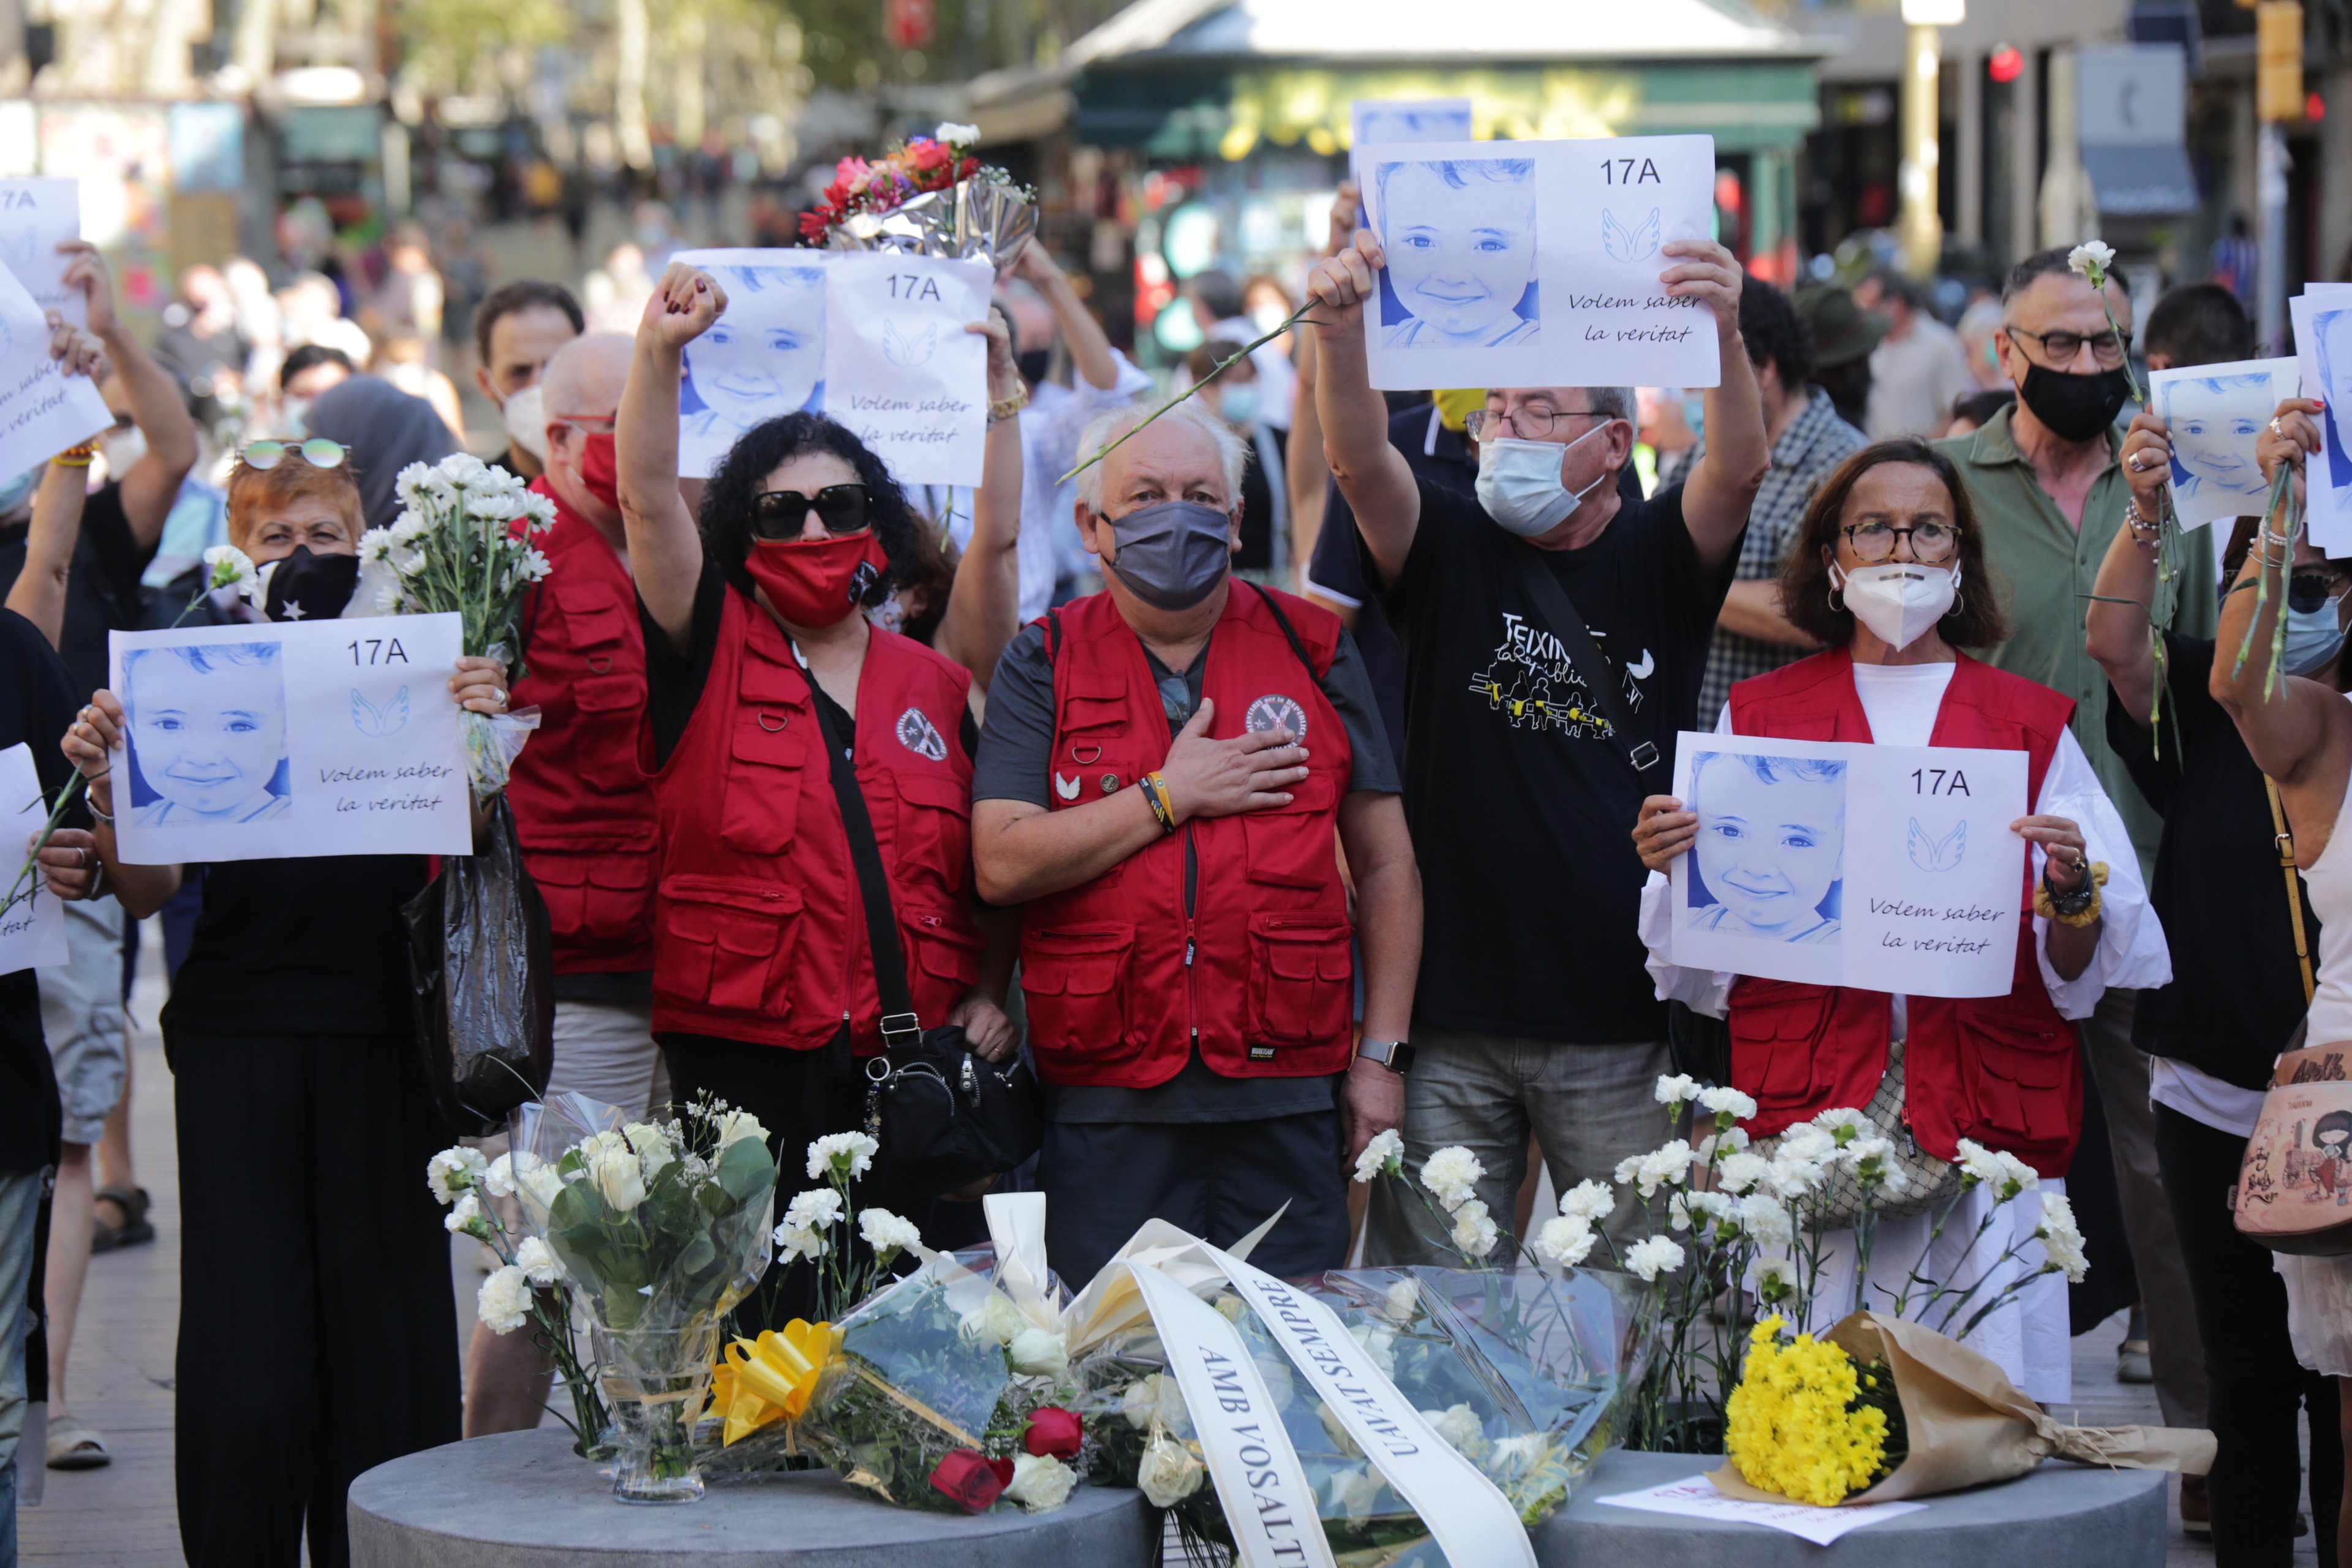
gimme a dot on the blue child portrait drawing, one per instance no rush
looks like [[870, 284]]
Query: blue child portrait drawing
[[2214, 421], [1770, 862], [207, 734], [763, 359], [1460, 234]]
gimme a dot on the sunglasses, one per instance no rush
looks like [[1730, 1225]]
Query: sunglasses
[[780, 514], [317, 451], [2308, 590]]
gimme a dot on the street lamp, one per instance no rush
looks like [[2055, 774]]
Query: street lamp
[[1921, 229]]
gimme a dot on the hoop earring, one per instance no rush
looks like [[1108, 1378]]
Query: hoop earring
[[1835, 607]]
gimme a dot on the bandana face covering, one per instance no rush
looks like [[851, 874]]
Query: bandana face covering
[[1173, 555], [307, 587], [600, 467], [816, 582]]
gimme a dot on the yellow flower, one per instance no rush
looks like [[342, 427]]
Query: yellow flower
[[1795, 1425]]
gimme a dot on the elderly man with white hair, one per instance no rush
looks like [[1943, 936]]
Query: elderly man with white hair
[[583, 807], [1159, 778]]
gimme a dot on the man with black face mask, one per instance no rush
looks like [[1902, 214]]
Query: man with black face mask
[[1159, 778]]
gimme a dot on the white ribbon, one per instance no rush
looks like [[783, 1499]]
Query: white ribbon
[[1465, 1511], [1268, 1504]]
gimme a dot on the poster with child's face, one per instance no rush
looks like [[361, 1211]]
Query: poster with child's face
[[275, 741], [2322, 315], [1391, 122], [1828, 863], [2215, 414], [32, 922], [1537, 263]]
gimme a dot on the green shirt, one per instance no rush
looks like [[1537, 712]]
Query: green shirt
[[2045, 568]]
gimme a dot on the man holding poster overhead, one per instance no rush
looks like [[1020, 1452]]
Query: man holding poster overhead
[[1555, 637]]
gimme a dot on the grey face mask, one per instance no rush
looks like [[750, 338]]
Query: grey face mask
[[1172, 555]]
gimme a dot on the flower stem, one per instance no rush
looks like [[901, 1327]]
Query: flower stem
[[1296, 316]]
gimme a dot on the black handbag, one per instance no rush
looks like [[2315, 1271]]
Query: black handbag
[[944, 1117]]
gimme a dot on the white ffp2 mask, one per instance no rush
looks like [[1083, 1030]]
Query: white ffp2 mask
[[1518, 483], [525, 417], [1899, 600]]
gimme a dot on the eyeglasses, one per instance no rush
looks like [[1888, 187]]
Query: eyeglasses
[[780, 514], [593, 424], [2310, 591], [2106, 348], [1932, 544], [317, 451], [1536, 422]]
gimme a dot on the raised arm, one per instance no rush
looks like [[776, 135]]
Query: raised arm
[[983, 608], [1305, 471], [2301, 734], [1372, 474], [2117, 619], [665, 548], [1722, 486], [1090, 353], [152, 487]]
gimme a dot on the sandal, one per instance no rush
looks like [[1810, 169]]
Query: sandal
[[74, 1444], [135, 1228]]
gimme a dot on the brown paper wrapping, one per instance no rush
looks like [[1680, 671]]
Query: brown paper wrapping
[[1969, 1425]]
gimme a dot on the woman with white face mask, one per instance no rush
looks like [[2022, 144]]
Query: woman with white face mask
[[1890, 572]]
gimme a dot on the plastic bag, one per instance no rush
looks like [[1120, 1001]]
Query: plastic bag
[[481, 972]]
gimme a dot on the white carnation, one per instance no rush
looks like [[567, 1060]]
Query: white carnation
[[499, 1179], [1473, 1232], [1727, 1101], [1170, 1472], [504, 1301], [957, 135], [1343, 1442], [846, 1154], [799, 1241], [2091, 259], [1384, 1153], [1378, 1343], [465, 1218], [2061, 1241], [1403, 1299], [1767, 1221], [453, 1171], [1716, 1145], [1686, 1210], [816, 1209], [1653, 1255], [1452, 1175], [1355, 1490], [1738, 1173], [1459, 1425], [888, 1234], [1512, 1457], [1564, 1242], [1776, 1280], [1842, 1121], [538, 1261], [1589, 1201], [1679, 1090], [1667, 1165]]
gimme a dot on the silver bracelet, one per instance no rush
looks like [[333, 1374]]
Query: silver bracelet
[[96, 811]]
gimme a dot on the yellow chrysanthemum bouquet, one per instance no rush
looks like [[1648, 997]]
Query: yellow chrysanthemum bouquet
[[1810, 1424]]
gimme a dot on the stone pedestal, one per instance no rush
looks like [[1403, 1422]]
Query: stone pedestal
[[525, 1500], [2059, 1514]]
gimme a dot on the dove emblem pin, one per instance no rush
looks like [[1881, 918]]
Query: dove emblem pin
[[1066, 788]]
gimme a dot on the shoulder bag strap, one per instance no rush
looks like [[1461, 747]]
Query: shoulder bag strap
[[900, 1024], [1600, 677], [1288, 631], [2285, 840]]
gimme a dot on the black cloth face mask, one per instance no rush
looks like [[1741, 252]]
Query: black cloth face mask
[[1033, 364], [1173, 555], [2075, 407], [307, 587]]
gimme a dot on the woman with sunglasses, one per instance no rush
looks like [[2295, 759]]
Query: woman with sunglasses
[[2298, 727], [318, 1335], [1890, 572], [760, 671]]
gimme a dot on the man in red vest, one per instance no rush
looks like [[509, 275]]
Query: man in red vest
[[1160, 776], [584, 807]]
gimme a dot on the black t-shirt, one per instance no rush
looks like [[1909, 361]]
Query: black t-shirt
[[673, 681], [103, 592], [314, 945], [2236, 992], [1522, 810], [36, 705], [1015, 755]]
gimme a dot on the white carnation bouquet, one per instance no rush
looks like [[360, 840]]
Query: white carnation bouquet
[[462, 545]]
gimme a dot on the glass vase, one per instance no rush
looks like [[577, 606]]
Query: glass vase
[[656, 1381]]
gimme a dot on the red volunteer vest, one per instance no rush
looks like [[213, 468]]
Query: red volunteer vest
[[583, 807], [2004, 1070], [761, 932], [1120, 981]]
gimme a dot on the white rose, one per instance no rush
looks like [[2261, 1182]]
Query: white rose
[[1170, 1472], [1038, 1353], [453, 1171], [848, 1154], [538, 1261], [1384, 1151], [651, 1143], [619, 1176], [995, 1322], [1653, 1255], [1041, 1483], [504, 1301], [1155, 1397], [1473, 1231], [1459, 1425], [734, 1126], [1566, 1241], [1452, 1176]]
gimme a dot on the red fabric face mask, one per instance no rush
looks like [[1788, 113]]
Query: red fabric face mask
[[600, 468], [816, 583]]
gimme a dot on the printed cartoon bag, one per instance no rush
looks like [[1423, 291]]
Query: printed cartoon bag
[[2295, 1186]]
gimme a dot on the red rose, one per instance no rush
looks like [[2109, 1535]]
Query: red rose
[[812, 224], [1056, 1431], [971, 1481], [928, 154], [968, 168]]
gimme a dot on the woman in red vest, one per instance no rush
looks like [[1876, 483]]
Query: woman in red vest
[[764, 985], [1890, 572]]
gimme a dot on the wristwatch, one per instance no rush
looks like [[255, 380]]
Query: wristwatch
[[1394, 1055], [2073, 903]]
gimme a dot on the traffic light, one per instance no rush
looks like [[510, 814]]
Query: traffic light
[[2278, 54]]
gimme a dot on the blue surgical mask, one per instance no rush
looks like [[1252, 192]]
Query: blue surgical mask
[[1240, 404], [13, 492], [2312, 637], [1520, 484]]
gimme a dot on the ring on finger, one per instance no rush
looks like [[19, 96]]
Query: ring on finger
[[2275, 427]]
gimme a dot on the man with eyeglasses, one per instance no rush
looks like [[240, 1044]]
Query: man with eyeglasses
[[2052, 482], [1534, 1011], [583, 807]]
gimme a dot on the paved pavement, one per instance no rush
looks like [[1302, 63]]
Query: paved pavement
[[120, 1379]]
